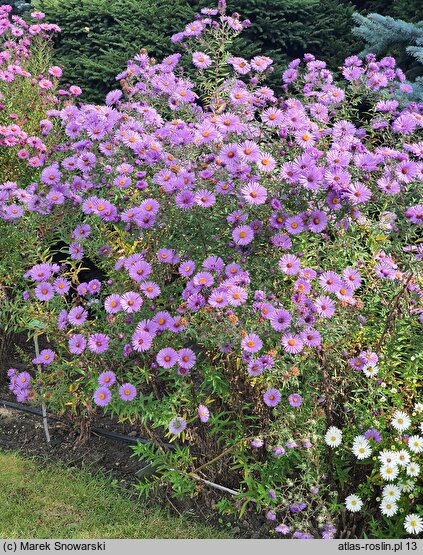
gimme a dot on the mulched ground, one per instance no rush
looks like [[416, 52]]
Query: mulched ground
[[24, 433]]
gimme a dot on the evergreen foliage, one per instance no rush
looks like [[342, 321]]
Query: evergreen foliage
[[99, 35], [408, 10], [384, 35], [19, 6], [293, 27]]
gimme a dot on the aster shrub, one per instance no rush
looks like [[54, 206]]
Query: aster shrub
[[29, 87], [254, 300]]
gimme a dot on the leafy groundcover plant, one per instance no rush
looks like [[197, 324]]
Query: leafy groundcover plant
[[233, 269]]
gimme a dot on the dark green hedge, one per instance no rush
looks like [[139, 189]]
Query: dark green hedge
[[99, 36]]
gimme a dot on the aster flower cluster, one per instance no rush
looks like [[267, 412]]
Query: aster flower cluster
[[397, 465], [236, 236], [20, 384]]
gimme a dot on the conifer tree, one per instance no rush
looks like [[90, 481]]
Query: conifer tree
[[385, 35]]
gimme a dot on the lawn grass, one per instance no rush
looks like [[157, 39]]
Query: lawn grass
[[50, 501]]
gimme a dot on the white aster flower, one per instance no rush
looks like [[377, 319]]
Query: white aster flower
[[353, 503], [413, 524], [333, 436], [413, 469], [403, 457], [415, 444], [388, 507], [370, 371], [418, 407], [407, 486], [400, 421], [391, 492], [389, 472], [361, 448], [388, 457]]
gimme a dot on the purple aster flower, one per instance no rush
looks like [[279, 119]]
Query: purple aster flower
[[44, 291], [23, 380], [344, 293], [251, 343], [325, 307], [369, 358], [295, 400], [272, 397], [358, 193], [186, 358], [292, 344], [81, 231], [62, 320], [415, 214], [77, 344], [201, 60], [237, 295], [40, 272], [161, 320], [168, 256], [317, 221], [61, 286], [82, 289], [257, 442], [127, 392], [204, 198], [290, 445], [278, 451], [283, 529], [185, 200], [107, 378], [213, 264], [357, 363], [352, 278], [167, 357], [98, 343], [77, 316], [218, 298], [329, 281], [255, 368], [102, 396], [140, 271], [294, 225], [203, 279], [311, 337], [243, 235], [131, 302], [373, 434], [177, 425], [94, 286], [187, 268], [150, 289], [112, 304], [266, 162], [203, 413], [142, 340], [280, 319], [76, 251], [46, 357], [232, 269], [290, 264], [254, 193]]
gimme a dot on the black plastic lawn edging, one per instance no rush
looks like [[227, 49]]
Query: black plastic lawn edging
[[98, 431]]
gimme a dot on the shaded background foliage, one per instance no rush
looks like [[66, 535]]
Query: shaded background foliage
[[99, 35]]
